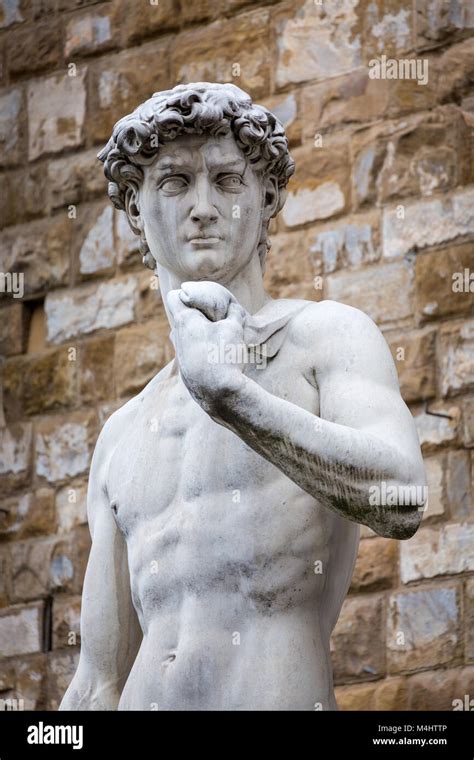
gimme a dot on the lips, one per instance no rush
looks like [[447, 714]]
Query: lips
[[204, 239]]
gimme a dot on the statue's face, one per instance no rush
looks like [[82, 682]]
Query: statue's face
[[201, 207]]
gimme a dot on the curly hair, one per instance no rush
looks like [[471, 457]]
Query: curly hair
[[195, 108]]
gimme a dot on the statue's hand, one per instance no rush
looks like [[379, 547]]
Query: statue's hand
[[208, 330]]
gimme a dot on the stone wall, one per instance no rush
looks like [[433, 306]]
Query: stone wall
[[380, 215]]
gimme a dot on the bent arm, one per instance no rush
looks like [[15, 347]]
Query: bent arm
[[110, 630], [364, 437]]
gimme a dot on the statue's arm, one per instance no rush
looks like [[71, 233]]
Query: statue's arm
[[365, 433], [110, 631]]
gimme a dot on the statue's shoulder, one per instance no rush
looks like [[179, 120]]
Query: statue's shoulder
[[333, 320], [119, 422]]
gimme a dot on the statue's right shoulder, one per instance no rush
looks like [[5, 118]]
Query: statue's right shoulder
[[119, 421]]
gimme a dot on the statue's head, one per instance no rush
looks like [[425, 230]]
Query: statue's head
[[200, 171]]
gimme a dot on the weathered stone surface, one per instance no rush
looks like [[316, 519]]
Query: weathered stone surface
[[316, 41], [15, 454], [200, 10], [449, 485], [215, 53], [428, 223], [441, 285], [74, 179], [30, 562], [63, 446], [347, 99], [423, 629], [11, 329], [437, 426], [43, 566], [34, 49], [24, 195], [429, 690], [350, 242], [121, 82], [71, 507], [97, 381], [126, 242], [435, 468], [320, 187], [357, 644], [66, 621], [90, 308], [39, 251], [447, 550], [68, 561], [91, 32], [61, 668], [389, 694], [56, 111], [11, 128], [456, 358], [441, 689], [458, 485], [376, 565], [97, 254], [288, 269], [150, 302], [32, 514], [468, 421], [469, 620], [438, 19], [11, 12], [355, 696], [140, 352], [414, 355], [386, 27], [147, 19], [21, 629], [5, 577], [38, 9], [49, 380], [28, 680], [23, 678], [383, 292], [11, 389], [455, 71], [418, 155]]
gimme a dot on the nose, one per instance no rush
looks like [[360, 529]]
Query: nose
[[203, 211]]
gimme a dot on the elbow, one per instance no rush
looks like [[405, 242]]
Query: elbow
[[398, 511]]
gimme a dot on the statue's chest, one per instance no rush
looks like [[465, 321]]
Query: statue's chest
[[175, 454]]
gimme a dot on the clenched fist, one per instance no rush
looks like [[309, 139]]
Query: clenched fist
[[208, 336]]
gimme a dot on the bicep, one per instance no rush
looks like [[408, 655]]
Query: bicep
[[359, 388]]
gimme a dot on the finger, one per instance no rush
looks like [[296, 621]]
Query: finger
[[236, 313], [209, 297], [175, 305]]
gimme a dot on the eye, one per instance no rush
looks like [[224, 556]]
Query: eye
[[230, 181], [173, 184]]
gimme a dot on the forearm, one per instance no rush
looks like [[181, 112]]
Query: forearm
[[335, 464]]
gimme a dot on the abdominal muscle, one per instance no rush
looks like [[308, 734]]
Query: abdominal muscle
[[229, 629], [198, 660]]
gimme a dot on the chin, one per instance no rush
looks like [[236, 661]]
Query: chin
[[209, 265]]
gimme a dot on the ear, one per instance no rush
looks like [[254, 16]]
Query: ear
[[132, 208], [271, 204]]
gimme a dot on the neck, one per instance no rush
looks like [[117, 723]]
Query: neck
[[246, 286]]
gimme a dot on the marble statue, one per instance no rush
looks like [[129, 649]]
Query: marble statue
[[225, 499]]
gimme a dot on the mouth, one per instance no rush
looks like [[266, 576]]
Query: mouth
[[204, 241]]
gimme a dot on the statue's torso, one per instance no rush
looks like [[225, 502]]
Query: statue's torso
[[237, 574]]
